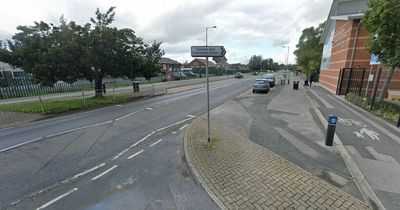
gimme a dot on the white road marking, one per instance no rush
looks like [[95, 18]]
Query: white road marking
[[83, 173], [323, 101], [57, 199], [137, 153], [192, 116], [173, 133], [183, 127], [118, 105], [119, 154], [372, 134], [76, 129], [384, 130], [149, 108], [155, 143], [130, 114], [141, 140], [168, 126], [104, 173], [21, 144], [380, 156]]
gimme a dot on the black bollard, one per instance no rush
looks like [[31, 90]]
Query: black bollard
[[330, 131]]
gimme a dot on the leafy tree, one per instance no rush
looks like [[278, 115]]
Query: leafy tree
[[255, 63], [267, 64], [309, 51], [70, 51], [382, 21]]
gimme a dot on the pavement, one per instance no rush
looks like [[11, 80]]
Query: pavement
[[126, 156], [10, 119]]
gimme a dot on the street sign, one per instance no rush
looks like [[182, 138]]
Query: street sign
[[374, 60], [332, 120], [208, 51]]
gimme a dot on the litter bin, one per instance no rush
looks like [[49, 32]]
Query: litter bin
[[135, 86], [296, 84]]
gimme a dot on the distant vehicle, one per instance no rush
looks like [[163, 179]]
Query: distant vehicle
[[254, 73], [238, 75], [270, 78], [261, 85], [190, 74], [180, 75]]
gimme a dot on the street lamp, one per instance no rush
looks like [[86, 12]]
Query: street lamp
[[208, 91], [287, 55]]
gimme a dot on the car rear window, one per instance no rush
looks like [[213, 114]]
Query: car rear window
[[261, 82]]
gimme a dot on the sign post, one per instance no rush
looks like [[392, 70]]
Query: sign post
[[208, 51], [373, 61], [330, 130]]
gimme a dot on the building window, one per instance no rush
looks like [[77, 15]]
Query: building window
[[327, 51]]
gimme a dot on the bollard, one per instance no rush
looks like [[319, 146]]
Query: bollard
[[398, 122], [330, 131], [296, 84]]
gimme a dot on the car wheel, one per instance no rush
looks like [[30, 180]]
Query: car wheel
[[254, 91]]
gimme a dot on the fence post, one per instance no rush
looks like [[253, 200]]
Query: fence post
[[41, 104]]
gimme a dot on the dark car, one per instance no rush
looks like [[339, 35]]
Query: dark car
[[270, 78], [238, 75], [261, 85]]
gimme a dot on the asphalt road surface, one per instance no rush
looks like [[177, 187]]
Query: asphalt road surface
[[127, 156]]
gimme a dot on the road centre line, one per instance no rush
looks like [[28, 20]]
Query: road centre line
[[151, 145], [177, 123], [57, 199], [141, 140], [84, 173], [119, 154], [174, 132], [384, 130], [76, 129], [149, 108], [130, 114], [104, 173], [192, 116], [183, 127], [21, 144], [137, 153]]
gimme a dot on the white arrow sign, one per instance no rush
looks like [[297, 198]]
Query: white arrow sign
[[208, 51]]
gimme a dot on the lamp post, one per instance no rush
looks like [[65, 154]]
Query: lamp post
[[208, 91], [287, 55]]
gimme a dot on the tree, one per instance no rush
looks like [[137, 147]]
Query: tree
[[382, 21], [255, 63], [267, 64], [309, 51], [70, 51]]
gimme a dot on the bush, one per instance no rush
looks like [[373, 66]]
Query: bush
[[386, 110]]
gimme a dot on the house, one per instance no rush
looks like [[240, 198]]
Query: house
[[345, 57], [200, 63], [168, 66]]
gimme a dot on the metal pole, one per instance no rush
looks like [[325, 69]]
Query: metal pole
[[208, 97], [375, 88], [366, 89]]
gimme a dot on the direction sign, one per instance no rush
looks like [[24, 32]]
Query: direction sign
[[374, 60], [208, 51]]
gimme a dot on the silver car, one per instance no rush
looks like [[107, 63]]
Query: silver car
[[261, 85]]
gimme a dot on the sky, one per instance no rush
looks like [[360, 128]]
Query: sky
[[244, 27]]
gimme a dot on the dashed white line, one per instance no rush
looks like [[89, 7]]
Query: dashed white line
[[192, 116], [182, 121], [76, 129], [118, 105], [149, 108], [119, 154], [137, 153], [57, 199], [151, 145], [21, 144], [104, 173], [173, 133], [183, 127], [83, 173], [141, 140], [130, 114]]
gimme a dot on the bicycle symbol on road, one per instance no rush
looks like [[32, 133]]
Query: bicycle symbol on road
[[363, 130]]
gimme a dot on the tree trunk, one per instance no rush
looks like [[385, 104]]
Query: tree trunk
[[98, 86], [386, 84]]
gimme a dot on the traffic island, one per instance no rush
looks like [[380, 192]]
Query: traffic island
[[239, 174]]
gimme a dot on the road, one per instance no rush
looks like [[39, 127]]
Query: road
[[127, 156], [372, 143]]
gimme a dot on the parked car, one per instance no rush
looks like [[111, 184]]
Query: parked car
[[190, 74], [180, 75], [261, 85], [238, 75], [270, 78]]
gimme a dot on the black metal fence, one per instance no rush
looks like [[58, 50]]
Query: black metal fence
[[350, 80]]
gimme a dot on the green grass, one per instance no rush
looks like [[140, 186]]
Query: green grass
[[210, 145], [63, 106], [386, 110]]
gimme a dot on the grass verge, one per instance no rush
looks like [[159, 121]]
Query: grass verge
[[59, 106], [386, 110]]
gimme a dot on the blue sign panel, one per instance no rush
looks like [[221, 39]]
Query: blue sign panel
[[374, 60], [332, 120]]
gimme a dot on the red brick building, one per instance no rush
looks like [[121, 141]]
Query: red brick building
[[344, 39]]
